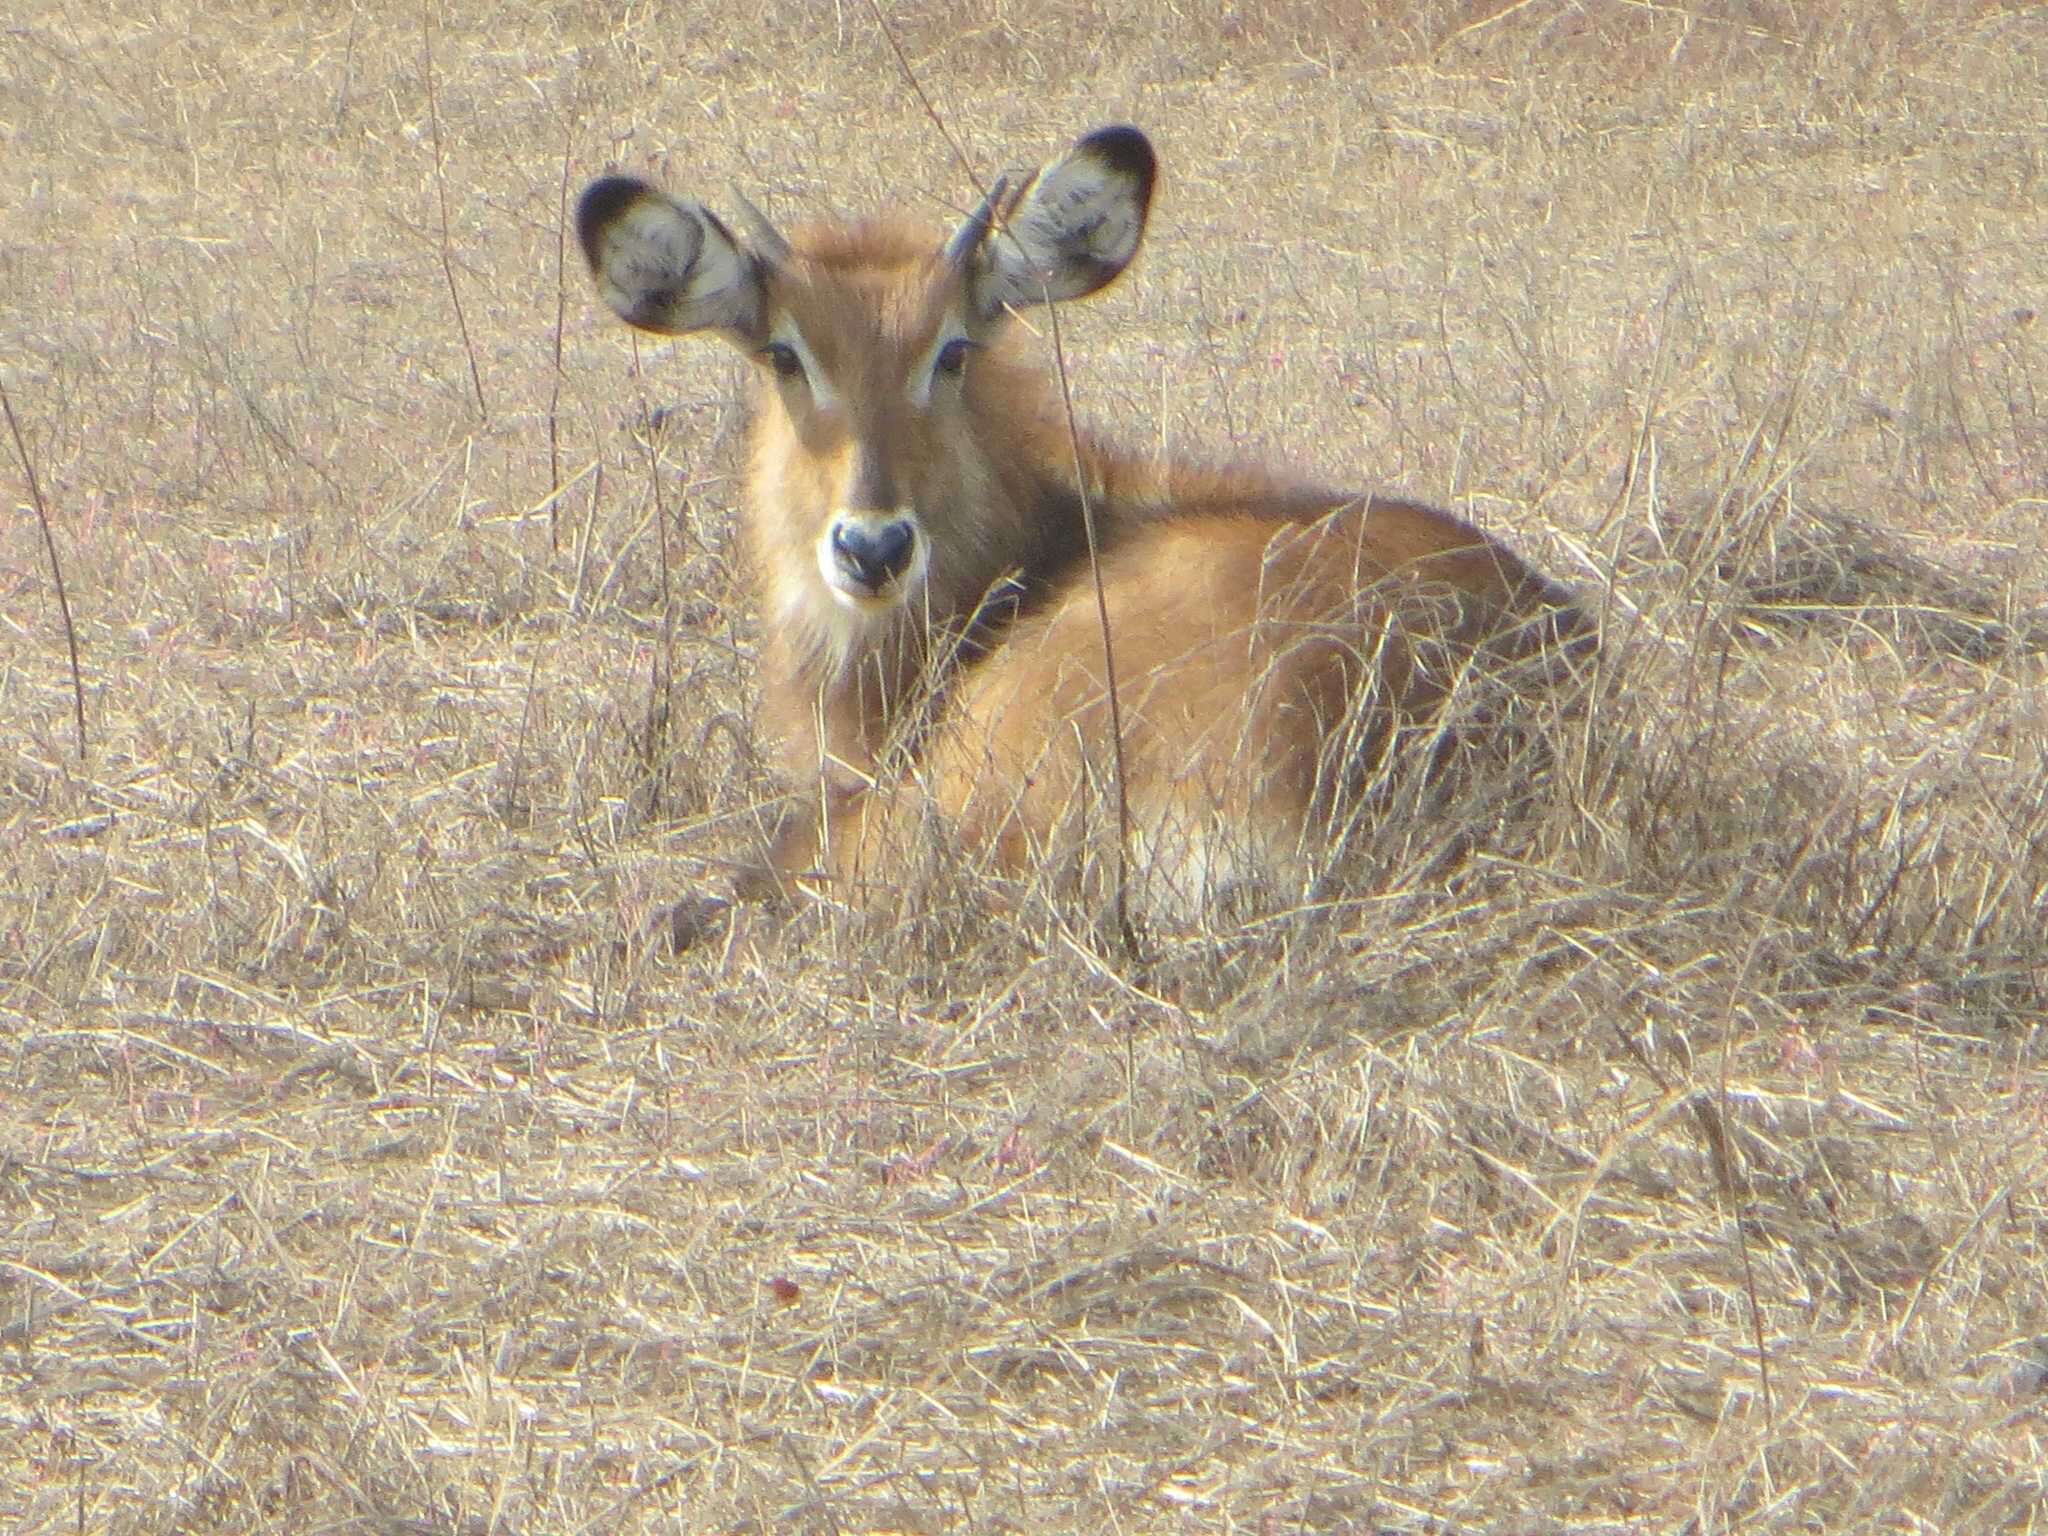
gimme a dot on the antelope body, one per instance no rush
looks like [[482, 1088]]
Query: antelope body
[[916, 520]]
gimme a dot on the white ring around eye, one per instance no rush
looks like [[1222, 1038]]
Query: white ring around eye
[[925, 372], [784, 333]]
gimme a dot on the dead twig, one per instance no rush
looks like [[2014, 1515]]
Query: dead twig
[[35, 495]]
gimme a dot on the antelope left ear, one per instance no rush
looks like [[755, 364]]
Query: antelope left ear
[[1074, 229]]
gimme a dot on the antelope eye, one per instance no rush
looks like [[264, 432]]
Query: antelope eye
[[952, 358], [781, 356]]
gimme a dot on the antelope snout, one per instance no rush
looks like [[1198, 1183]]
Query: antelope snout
[[871, 559]]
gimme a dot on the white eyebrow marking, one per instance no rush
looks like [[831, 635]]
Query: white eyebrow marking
[[920, 388], [822, 392]]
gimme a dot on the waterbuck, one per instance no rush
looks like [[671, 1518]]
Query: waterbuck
[[936, 647]]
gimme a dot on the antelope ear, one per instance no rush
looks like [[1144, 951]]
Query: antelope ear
[[1074, 228], [667, 264]]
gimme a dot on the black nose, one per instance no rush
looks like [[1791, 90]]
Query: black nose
[[873, 556]]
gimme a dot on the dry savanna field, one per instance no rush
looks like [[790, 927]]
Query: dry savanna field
[[1648, 1133]]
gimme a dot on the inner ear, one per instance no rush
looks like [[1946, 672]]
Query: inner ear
[[668, 264], [1075, 227]]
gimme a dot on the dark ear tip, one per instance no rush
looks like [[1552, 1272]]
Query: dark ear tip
[[603, 201], [1126, 151]]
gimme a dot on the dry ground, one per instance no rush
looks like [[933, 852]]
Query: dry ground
[[365, 1167]]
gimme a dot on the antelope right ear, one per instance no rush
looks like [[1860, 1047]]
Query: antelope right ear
[[1075, 227], [667, 264]]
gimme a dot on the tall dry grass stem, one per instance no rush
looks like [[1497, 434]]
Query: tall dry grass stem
[[35, 496]]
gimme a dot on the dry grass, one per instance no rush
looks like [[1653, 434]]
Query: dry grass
[[363, 1166]]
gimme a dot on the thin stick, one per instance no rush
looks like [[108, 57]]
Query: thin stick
[[1714, 1127], [1116, 714], [555, 391], [348, 71], [441, 196], [519, 746], [661, 675], [35, 494]]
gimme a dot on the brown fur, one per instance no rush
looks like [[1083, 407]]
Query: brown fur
[[1272, 638], [1248, 614]]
